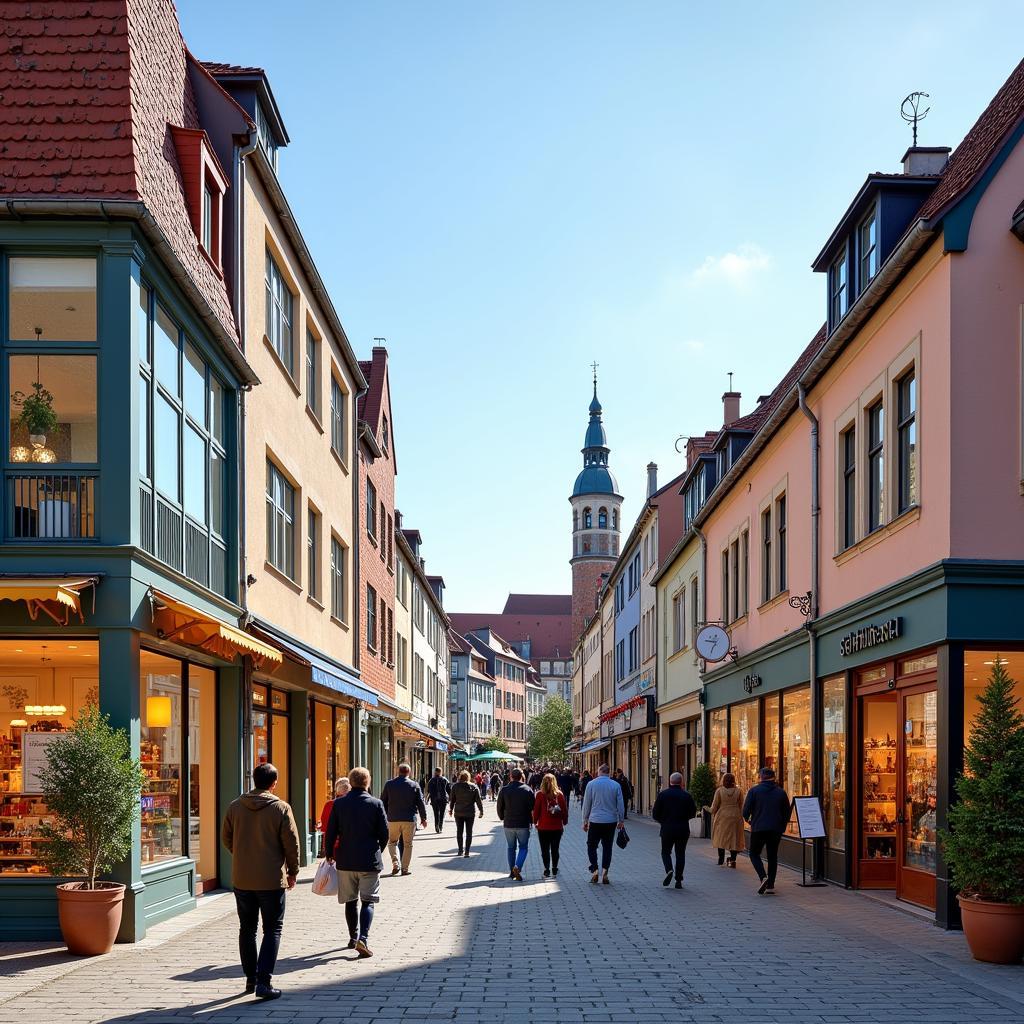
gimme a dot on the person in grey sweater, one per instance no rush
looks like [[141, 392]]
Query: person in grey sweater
[[603, 813], [465, 801]]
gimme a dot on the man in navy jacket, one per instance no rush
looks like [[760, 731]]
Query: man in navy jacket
[[673, 809], [402, 799], [360, 827], [767, 809]]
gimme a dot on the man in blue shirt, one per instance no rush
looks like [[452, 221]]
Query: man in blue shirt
[[603, 812]]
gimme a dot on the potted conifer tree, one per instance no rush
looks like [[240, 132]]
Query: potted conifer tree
[[702, 789], [984, 845], [92, 787]]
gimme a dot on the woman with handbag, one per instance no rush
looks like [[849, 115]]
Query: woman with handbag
[[727, 820], [550, 816]]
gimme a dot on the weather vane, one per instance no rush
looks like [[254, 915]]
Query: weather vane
[[595, 365], [910, 113]]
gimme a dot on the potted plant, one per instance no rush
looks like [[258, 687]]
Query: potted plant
[[984, 844], [702, 789], [37, 415], [92, 787]]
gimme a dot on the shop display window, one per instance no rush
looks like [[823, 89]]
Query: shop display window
[[878, 778], [745, 747], [202, 756], [772, 734], [342, 741], [920, 779], [161, 754], [719, 742], [795, 776], [44, 684], [322, 768], [977, 669], [834, 796], [270, 739]]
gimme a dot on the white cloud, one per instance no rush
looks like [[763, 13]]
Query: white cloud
[[737, 268]]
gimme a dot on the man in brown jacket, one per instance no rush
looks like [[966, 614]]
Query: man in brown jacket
[[262, 829]]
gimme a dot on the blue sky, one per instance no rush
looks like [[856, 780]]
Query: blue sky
[[507, 192]]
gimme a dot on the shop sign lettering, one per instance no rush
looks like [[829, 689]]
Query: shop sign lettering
[[751, 682], [871, 636]]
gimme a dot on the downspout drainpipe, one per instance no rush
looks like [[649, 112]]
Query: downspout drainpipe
[[238, 302], [702, 617], [817, 722]]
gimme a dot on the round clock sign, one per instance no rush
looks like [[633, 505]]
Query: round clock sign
[[712, 643]]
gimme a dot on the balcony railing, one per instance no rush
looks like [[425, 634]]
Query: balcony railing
[[51, 506]]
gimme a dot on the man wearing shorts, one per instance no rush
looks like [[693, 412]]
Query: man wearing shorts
[[359, 826]]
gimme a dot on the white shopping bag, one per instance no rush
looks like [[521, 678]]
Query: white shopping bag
[[325, 882]]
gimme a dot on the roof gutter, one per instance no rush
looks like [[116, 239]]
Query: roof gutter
[[898, 263], [316, 282], [136, 210]]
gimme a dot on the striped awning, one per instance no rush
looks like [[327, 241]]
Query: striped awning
[[57, 596]]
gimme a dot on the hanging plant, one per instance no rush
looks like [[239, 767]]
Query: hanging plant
[[37, 415]]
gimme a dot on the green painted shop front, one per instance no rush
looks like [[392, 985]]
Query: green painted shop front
[[897, 676]]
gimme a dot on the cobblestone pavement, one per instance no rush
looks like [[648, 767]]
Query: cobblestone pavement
[[458, 941]]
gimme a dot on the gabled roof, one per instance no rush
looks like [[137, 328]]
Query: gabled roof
[[373, 403], [457, 644], [550, 636], [969, 160], [538, 604]]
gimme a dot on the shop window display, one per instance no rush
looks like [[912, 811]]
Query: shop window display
[[719, 742], [920, 779], [270, 740], [834, 797], [772, 734], [160, 750], [796, 746], [878, 794], [744, 747], [322, 768], [202, 756], [43, 684]]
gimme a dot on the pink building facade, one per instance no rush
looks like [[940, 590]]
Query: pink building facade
[[865, 549]]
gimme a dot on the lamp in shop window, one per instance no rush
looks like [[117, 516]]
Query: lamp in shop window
[[158, 712], [20, 453], [19, 723]]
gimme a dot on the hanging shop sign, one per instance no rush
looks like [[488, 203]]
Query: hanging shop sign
[[713, 643], [871, 636], [635, 713]]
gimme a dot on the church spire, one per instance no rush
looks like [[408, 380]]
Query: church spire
[[595, 478]]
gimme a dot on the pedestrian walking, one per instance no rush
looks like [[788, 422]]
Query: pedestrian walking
[[357, 833], [585, 779], [402, 799], [495, 785], [535, 780], [465, 801], [674, 808], [341, 787], [767, 809], [550, 815], [727, 820], [261, 828], [515, 808], [438, 792], [627, 789], [603, 813]]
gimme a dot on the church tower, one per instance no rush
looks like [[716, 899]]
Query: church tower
[[596, 519]]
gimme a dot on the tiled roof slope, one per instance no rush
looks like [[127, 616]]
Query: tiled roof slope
[[979, 145], [217, 68], [88, 91], [64, 79], [538, 604], [549, 635]]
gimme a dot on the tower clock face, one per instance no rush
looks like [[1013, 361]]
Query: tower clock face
[[712, 643]]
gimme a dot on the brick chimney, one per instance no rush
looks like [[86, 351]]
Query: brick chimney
[[925, 160], [652, 478], [731, 408]]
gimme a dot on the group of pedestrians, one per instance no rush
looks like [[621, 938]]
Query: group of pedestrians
[[259, 831]]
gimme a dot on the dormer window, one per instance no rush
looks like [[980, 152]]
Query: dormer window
[[207, 217], [265, 134], [204, 186], [867, 247], [838, 294]]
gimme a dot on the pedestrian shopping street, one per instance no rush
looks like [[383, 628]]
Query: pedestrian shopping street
[[457, 940]]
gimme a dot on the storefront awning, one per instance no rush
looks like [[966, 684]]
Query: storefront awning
[[174, 620], [57, 596], [322, 672], [425, 730], [593, 745]]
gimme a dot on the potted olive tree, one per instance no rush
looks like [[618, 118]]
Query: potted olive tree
[[984, 844], [92, 786], [702, 789]]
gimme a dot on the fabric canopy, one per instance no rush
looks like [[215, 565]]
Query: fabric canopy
[[175, 620], [593, 745], [56, 596], [494, 755]]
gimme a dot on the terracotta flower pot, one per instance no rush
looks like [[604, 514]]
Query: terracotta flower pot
[[994, 931], [89, 918]]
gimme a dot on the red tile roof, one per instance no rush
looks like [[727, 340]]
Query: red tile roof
[[538, 604], [979, 145], [550, 636], [89, 92], [457, 644]]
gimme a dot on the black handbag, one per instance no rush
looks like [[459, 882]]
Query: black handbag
[[622, 839]]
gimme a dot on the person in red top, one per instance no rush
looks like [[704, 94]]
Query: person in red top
[[341, 788], [550, 815]]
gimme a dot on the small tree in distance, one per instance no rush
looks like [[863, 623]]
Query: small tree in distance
[[550, 731], [494, 743]]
